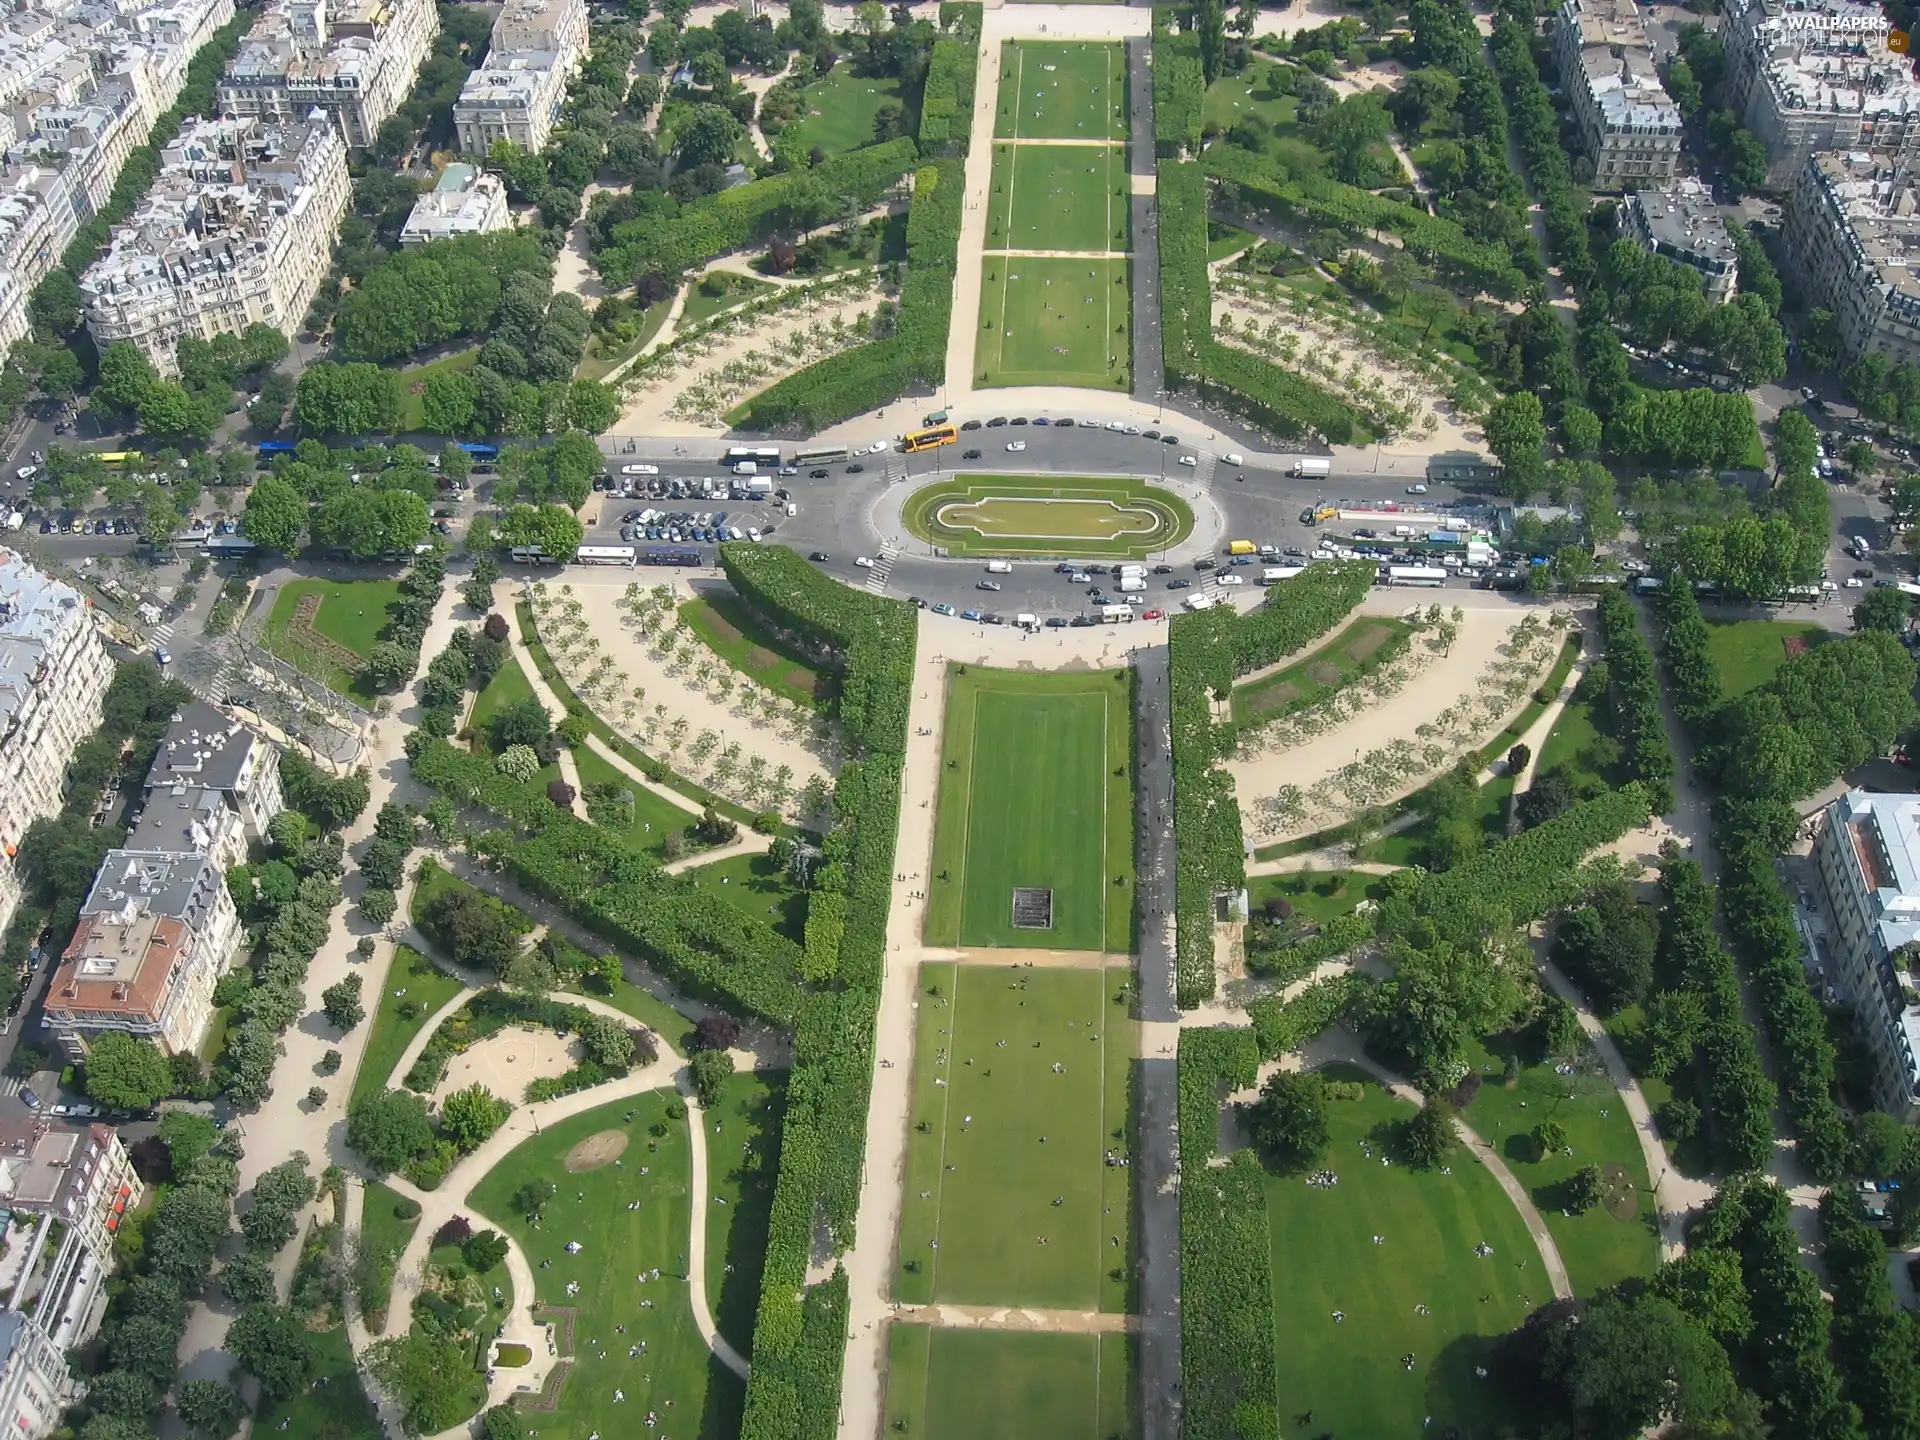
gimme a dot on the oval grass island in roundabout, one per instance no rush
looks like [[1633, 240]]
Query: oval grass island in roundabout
[[1048, 516]]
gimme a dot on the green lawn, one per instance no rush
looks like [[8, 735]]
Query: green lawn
[[337, 1410], [1317, 896], [1361, 647], [1007, 1134], [674, 1027], [1043, 516], [946, 1384], [840, 109], [732, 631], [1253, 91], [743, 1158], [1600, 1248], [508, 686], [654, 818], [1029, 797], [703, 303], [1692, 1157], [1225, 240], [382, 1231], [758, 887], [352, 614], [1350, 1373], [1581, 744], [413, 386], [618, 1244], [603, 357], [434, 878], [1055, 321], [496, 1295], [427, 989], [1062, 91], [1749, 651], [1060, 197]]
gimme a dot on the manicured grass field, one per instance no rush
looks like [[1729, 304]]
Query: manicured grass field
[[1054, 321], [1582, 744], [1350, 1373], [1749, 651], [947, 1384], [617, 1245], [703, 303], [1029, 797], [743, 1157], [1007, 1135], [1600, 1247], [427, 990], [1048, 515], [1059, 197], [1062, 91], [1316, 896], [653, 818], [382, 1231], [508, 686], [1355, 650], [352, 614], [733, 632], [675, 1028], [756, 886], [413, 386], [337, 1410], [840, 108]]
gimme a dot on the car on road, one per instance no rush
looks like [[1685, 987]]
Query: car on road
[[27, 472], [1130, 429], [969, 424], [819, 557], [1079, 622], [1293, 550], [972, 614], [1067, 423], [1056, 622], [1855, 584], [160, 654], [970, 455], [1416, 489], [1807, 393], [986, 585], [1079, 577], [1863, 574], [1179, 584], [816, 474], [1154, 615], [1229, 579], [1169, 439], [1115, 425], [789, 469], [1189, 460], [30, 1099], [863, 562], [942, 608], [1018, 420], [1016, 445], [1065, 567], [639, 469], [1149, 434], [1205, 562], [1042, 420], [856, 469], [1163, 569]]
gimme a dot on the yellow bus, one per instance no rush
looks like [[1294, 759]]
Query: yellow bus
[[927, 439], [114, 457]]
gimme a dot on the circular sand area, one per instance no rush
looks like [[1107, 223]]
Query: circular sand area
[[603, 1147]]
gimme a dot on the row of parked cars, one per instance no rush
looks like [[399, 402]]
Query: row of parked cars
[[706, 526]]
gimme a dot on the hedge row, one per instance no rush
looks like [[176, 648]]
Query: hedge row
[[946, 97], [800, 1334], [1536, 125], [1226, 1282], [868, 376], [1277, 400], [1338, 936], [734, 219], [1634, 691], [1692, 959], [1872, 1338], [1459, 260], [1280, 1027], [1206, 651], [1179, 90]]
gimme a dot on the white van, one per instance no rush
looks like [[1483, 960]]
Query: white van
[[1234, 459], [1027, 622], [746, 467], [999, 567]]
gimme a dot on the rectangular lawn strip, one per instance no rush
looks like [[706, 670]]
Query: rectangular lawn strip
[[1351, 1373], [756, 886], [1599, 1247], [1317, 896], [337, 1410], [977, 1150], [435, 877], [734, 633], [428, 988], [654, 818], [381, 1228], [1582, 743], [949, 1384], [1062, 90], [618, 1244], [743, 1157], [508, 687], [1747, 652], [840, 110], [1060, 197], [654, 1013], [1029, 798], [703, 304], [1055, 320], [413, 387], [352, 614], [1309, 680]]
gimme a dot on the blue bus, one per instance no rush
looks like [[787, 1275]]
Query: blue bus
[[482, 456], [660, 555], [271, 448]]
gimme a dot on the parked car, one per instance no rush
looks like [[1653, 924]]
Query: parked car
[[1056, 622], [969, 424], [1189, 460], [855, 469], [1416, 489], [1179, 584], [970, 614], [1154, 615], [996, 422]]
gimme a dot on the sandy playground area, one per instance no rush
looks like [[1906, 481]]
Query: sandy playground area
[[509, 1060]]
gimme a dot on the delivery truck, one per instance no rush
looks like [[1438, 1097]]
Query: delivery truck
[[1242, 547], [1315, 467], [1274, 574], [1132, 584], [760, 485]]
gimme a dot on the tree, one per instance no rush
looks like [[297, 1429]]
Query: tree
[[126, 1074], [278, 1195], [1428, 1136], [1884, 610], [711, 1070], [503, 1422], [1549, 1138], [425, 1375], [484, 1249], [1630, 1365], [531, 1198], [1515, 432], [607, 1042], [276, 514], [173, 415], [1879, 1143], [1608, 946], [447, 403], [523, 722], [591, 406], [1348, 132], [187, 1137], [715, 1032], [210, 1408], [474, 929], [1289, 1120], [126, 1393], [143, 1344], [1582, 1190], [272, 1341], [1213, 39], [1580, 429], [341, 1001], [389, 1129], [469, 1116], [126, 374]]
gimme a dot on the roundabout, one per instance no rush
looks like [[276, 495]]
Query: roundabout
[[1048, 516]]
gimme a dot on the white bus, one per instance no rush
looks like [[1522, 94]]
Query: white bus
[[529, 555], [754, 454], [825, 455], [604, 555], [1429, 575]]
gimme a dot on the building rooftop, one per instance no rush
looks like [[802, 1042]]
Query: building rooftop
[[35, 609], [1684, 220], [44, 1164], [202, 747], [1831, 57], [1879, 205], [1618, 63], [511, 79], [464, 201], [169, 883]]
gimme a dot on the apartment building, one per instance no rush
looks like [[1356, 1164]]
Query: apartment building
[[54, 674], [1813, 75], [1681, 223], [211, 777], [64, 1190], [237, 230], [466, 200], [518, 94], [355, 59], [1852, 232], [1629, 128]]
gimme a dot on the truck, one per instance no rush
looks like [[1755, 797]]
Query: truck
[[1646, 585], [1316, 467], [1274, 574], [1242, 547], [760, 485], [1203, 600], [999, 567], [1428, 575], [1027, 622], [1132, 584]]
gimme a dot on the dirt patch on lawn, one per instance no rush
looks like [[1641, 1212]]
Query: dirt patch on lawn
[[1618, 1192], [1276, 698], [601, 1148], [761, 659], [1324, 672], [1795, 645], [722, 627], [1368, 641]]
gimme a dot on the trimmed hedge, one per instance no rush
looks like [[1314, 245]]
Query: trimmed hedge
[[1206, 651], [946, 98], [1179, 90], [1277, 400], [1634, 690], [1226, 1281], [1280, 1027]]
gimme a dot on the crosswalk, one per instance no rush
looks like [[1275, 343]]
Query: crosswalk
[[11, 1085], [881, 569], [896, 468], [163, 634], [1203, 472]]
